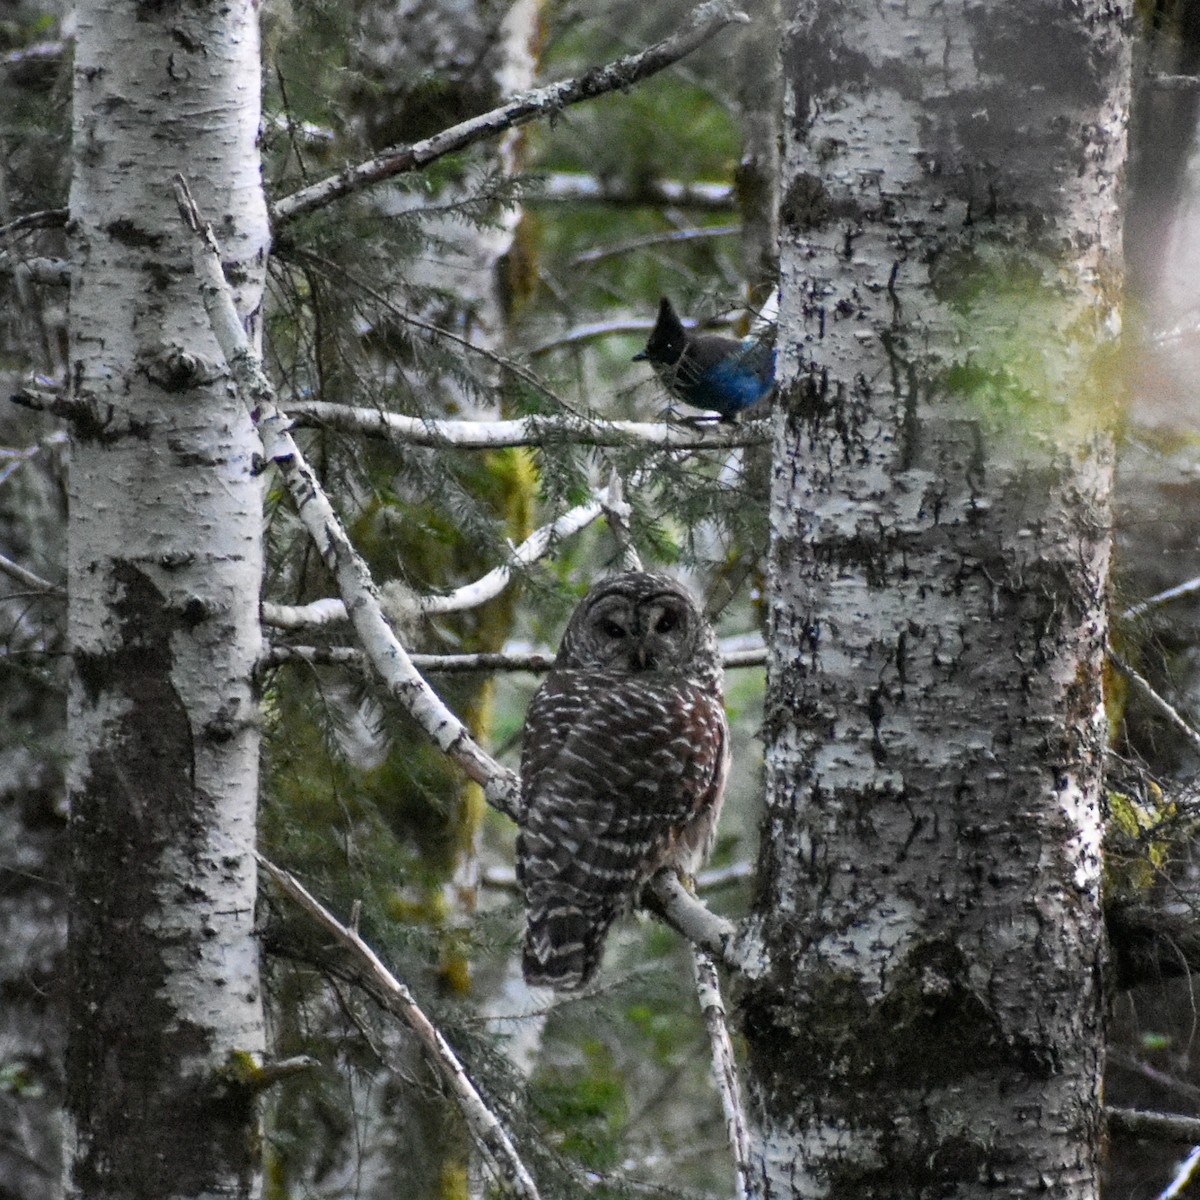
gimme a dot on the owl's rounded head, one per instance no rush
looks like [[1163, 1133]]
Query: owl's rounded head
[[639, 621]]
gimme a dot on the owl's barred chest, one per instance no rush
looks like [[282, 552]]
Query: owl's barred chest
[[624, 759]]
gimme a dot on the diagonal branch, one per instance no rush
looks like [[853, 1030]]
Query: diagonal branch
[[704, 21], [485, 1127], [387, 655], [1164, 708], [28, 578]]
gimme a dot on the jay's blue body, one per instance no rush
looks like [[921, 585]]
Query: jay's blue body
[[707, 370]]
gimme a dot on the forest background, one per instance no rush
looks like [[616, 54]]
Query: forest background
[[518, 278]]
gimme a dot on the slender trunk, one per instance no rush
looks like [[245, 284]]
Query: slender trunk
[[928, 1016], [164, 574]]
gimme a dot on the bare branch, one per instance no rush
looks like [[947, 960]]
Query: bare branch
[[400, 604], [51, 218], [712, 1008], [453, 664], [536, 546], [1127, 1062], [569, 187], [527, 431], [485, 1127], [446, 664], [386, 654], [666, 896], [1164, 709], [1183, 1176], [329, 610], [29, 579], [1166, 1127], [703, 22], [38, 52], [1178, 592]]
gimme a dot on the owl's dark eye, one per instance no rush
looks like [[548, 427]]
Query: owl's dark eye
[[666, 622], [611, 629]]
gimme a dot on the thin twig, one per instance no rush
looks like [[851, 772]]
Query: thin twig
[[482, 1122], [712, 1008], [386, 654], [526, 431], [503, 362], [1127, 1062], [669, 236], [701, 24]]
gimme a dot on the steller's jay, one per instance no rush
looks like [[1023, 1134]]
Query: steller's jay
[[707, 370]]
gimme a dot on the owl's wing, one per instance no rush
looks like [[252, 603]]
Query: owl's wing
[[621, 775]]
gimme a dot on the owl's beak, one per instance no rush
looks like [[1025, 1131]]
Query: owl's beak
[[643, 657]]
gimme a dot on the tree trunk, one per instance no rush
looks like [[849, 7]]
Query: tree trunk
[[164, 574], [928, 1020]]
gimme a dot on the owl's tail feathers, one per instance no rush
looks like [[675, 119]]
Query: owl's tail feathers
[[563, 945]]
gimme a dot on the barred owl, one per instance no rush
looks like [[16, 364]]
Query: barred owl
[[624, 760]]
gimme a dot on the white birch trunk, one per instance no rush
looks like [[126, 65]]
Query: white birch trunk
[[164, 575], [928, 1021]]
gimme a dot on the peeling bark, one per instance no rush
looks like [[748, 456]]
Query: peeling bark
[[930, 1020], [164, 575]]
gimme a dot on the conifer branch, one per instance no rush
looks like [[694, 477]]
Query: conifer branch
[[527, 431], [383, 649], [484, 1125], [703, 22]]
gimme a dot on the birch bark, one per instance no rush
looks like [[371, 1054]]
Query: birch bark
[[928, 1021], [164, 575]]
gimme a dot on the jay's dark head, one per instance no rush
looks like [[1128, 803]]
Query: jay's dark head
[[668, 338]]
